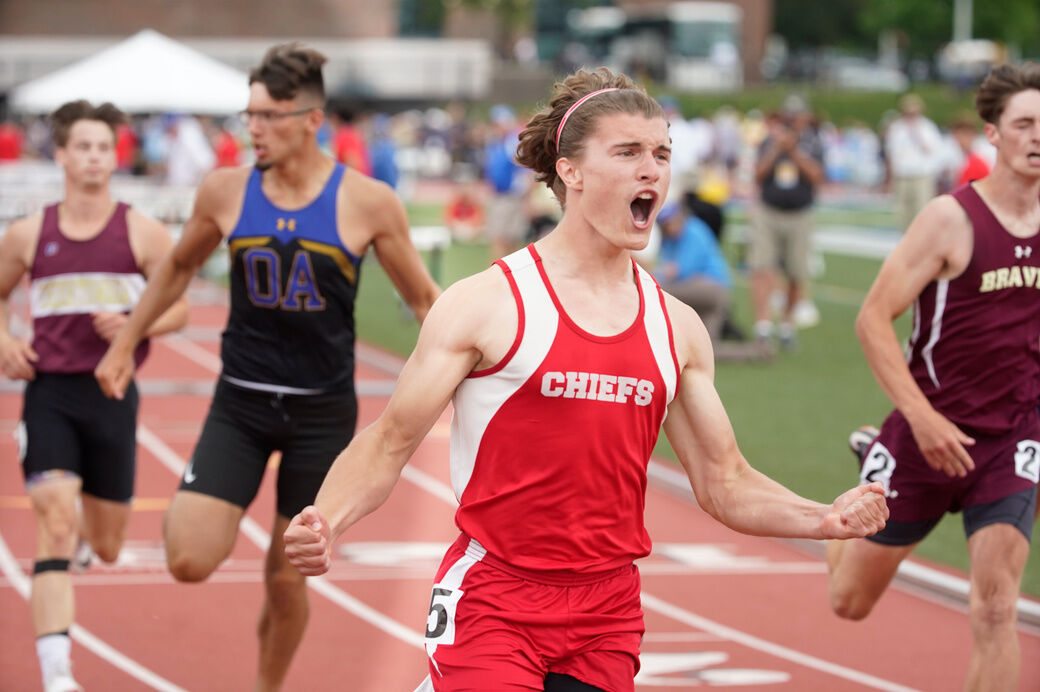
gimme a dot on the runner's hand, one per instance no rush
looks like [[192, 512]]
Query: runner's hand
[[114, 372], [108, 324], [856, 513], [308, 544], [17, 358], [942, 443]]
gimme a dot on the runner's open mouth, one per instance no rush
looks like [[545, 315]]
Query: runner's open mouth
[[641, 207]]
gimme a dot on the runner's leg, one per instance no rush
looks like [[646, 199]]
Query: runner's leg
[[199, 532], [860, 571], [998, 557], [284, 615], [54, 507], [104, 525]]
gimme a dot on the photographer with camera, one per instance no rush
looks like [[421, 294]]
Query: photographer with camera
[[788, 171]]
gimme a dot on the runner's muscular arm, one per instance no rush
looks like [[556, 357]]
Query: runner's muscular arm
[[201, 235], [16, 252], [726, 485], [150, 242], [937, 245], [397, 253], [453, 340]]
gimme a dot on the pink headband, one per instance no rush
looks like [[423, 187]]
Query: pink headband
[[583, 99]]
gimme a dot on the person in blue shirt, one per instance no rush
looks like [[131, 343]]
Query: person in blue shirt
[[692, 268], [507, 219]]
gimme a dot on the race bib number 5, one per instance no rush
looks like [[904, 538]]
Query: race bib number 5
[[1027, 460], [440, 623]]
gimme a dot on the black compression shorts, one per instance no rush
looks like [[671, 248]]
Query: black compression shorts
[[69, 425], [245, 426]]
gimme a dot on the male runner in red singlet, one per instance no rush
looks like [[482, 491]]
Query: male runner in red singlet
[[87, 258], [964, 434], [297, 226], [561, 361]]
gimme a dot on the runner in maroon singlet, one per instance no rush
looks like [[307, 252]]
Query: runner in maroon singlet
[[964, 435], [87, 259]]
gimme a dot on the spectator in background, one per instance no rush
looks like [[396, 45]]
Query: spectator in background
[[464, 213], [728, 138], [383, 151], [973, 166], [913, 152], [11, 139], [543, 210], [506, 221], [189, 156], [692, 268], [348, 145], [687, 145], [155, 144], [126, 148], [463, 138], [38, 141], [788, 171], [703, 194], [226, 147]]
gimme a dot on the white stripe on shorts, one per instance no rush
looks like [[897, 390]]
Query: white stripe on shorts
[[446, 595]]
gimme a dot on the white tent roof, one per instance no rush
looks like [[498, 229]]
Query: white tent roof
[[146, 73]]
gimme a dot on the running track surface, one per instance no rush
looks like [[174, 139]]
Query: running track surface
[[722, 609]]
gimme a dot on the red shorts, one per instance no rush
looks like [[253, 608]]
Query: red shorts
[[493, 627]]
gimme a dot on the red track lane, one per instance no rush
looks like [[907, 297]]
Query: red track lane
[[721, 608]]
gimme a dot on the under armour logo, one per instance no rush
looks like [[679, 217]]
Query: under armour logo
[[51, 249], [290, 224], [1021, 252]]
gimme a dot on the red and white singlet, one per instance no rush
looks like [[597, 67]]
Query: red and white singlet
[[549, 448]]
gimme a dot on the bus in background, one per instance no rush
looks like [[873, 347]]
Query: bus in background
[[687, 46]]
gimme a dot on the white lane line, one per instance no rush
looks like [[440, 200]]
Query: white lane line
[[441, 490], [430, 484], [680, 614], [262, 540], [11, 570], [193, 352]]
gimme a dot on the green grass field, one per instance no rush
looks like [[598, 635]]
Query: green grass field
[[792, 416]]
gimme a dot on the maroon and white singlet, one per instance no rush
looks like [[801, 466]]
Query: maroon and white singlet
[[975, 346], [975, 353], [70, 280]]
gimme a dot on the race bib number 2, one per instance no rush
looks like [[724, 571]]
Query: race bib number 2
[[1027, 460], [879, 465], [440, 623]]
